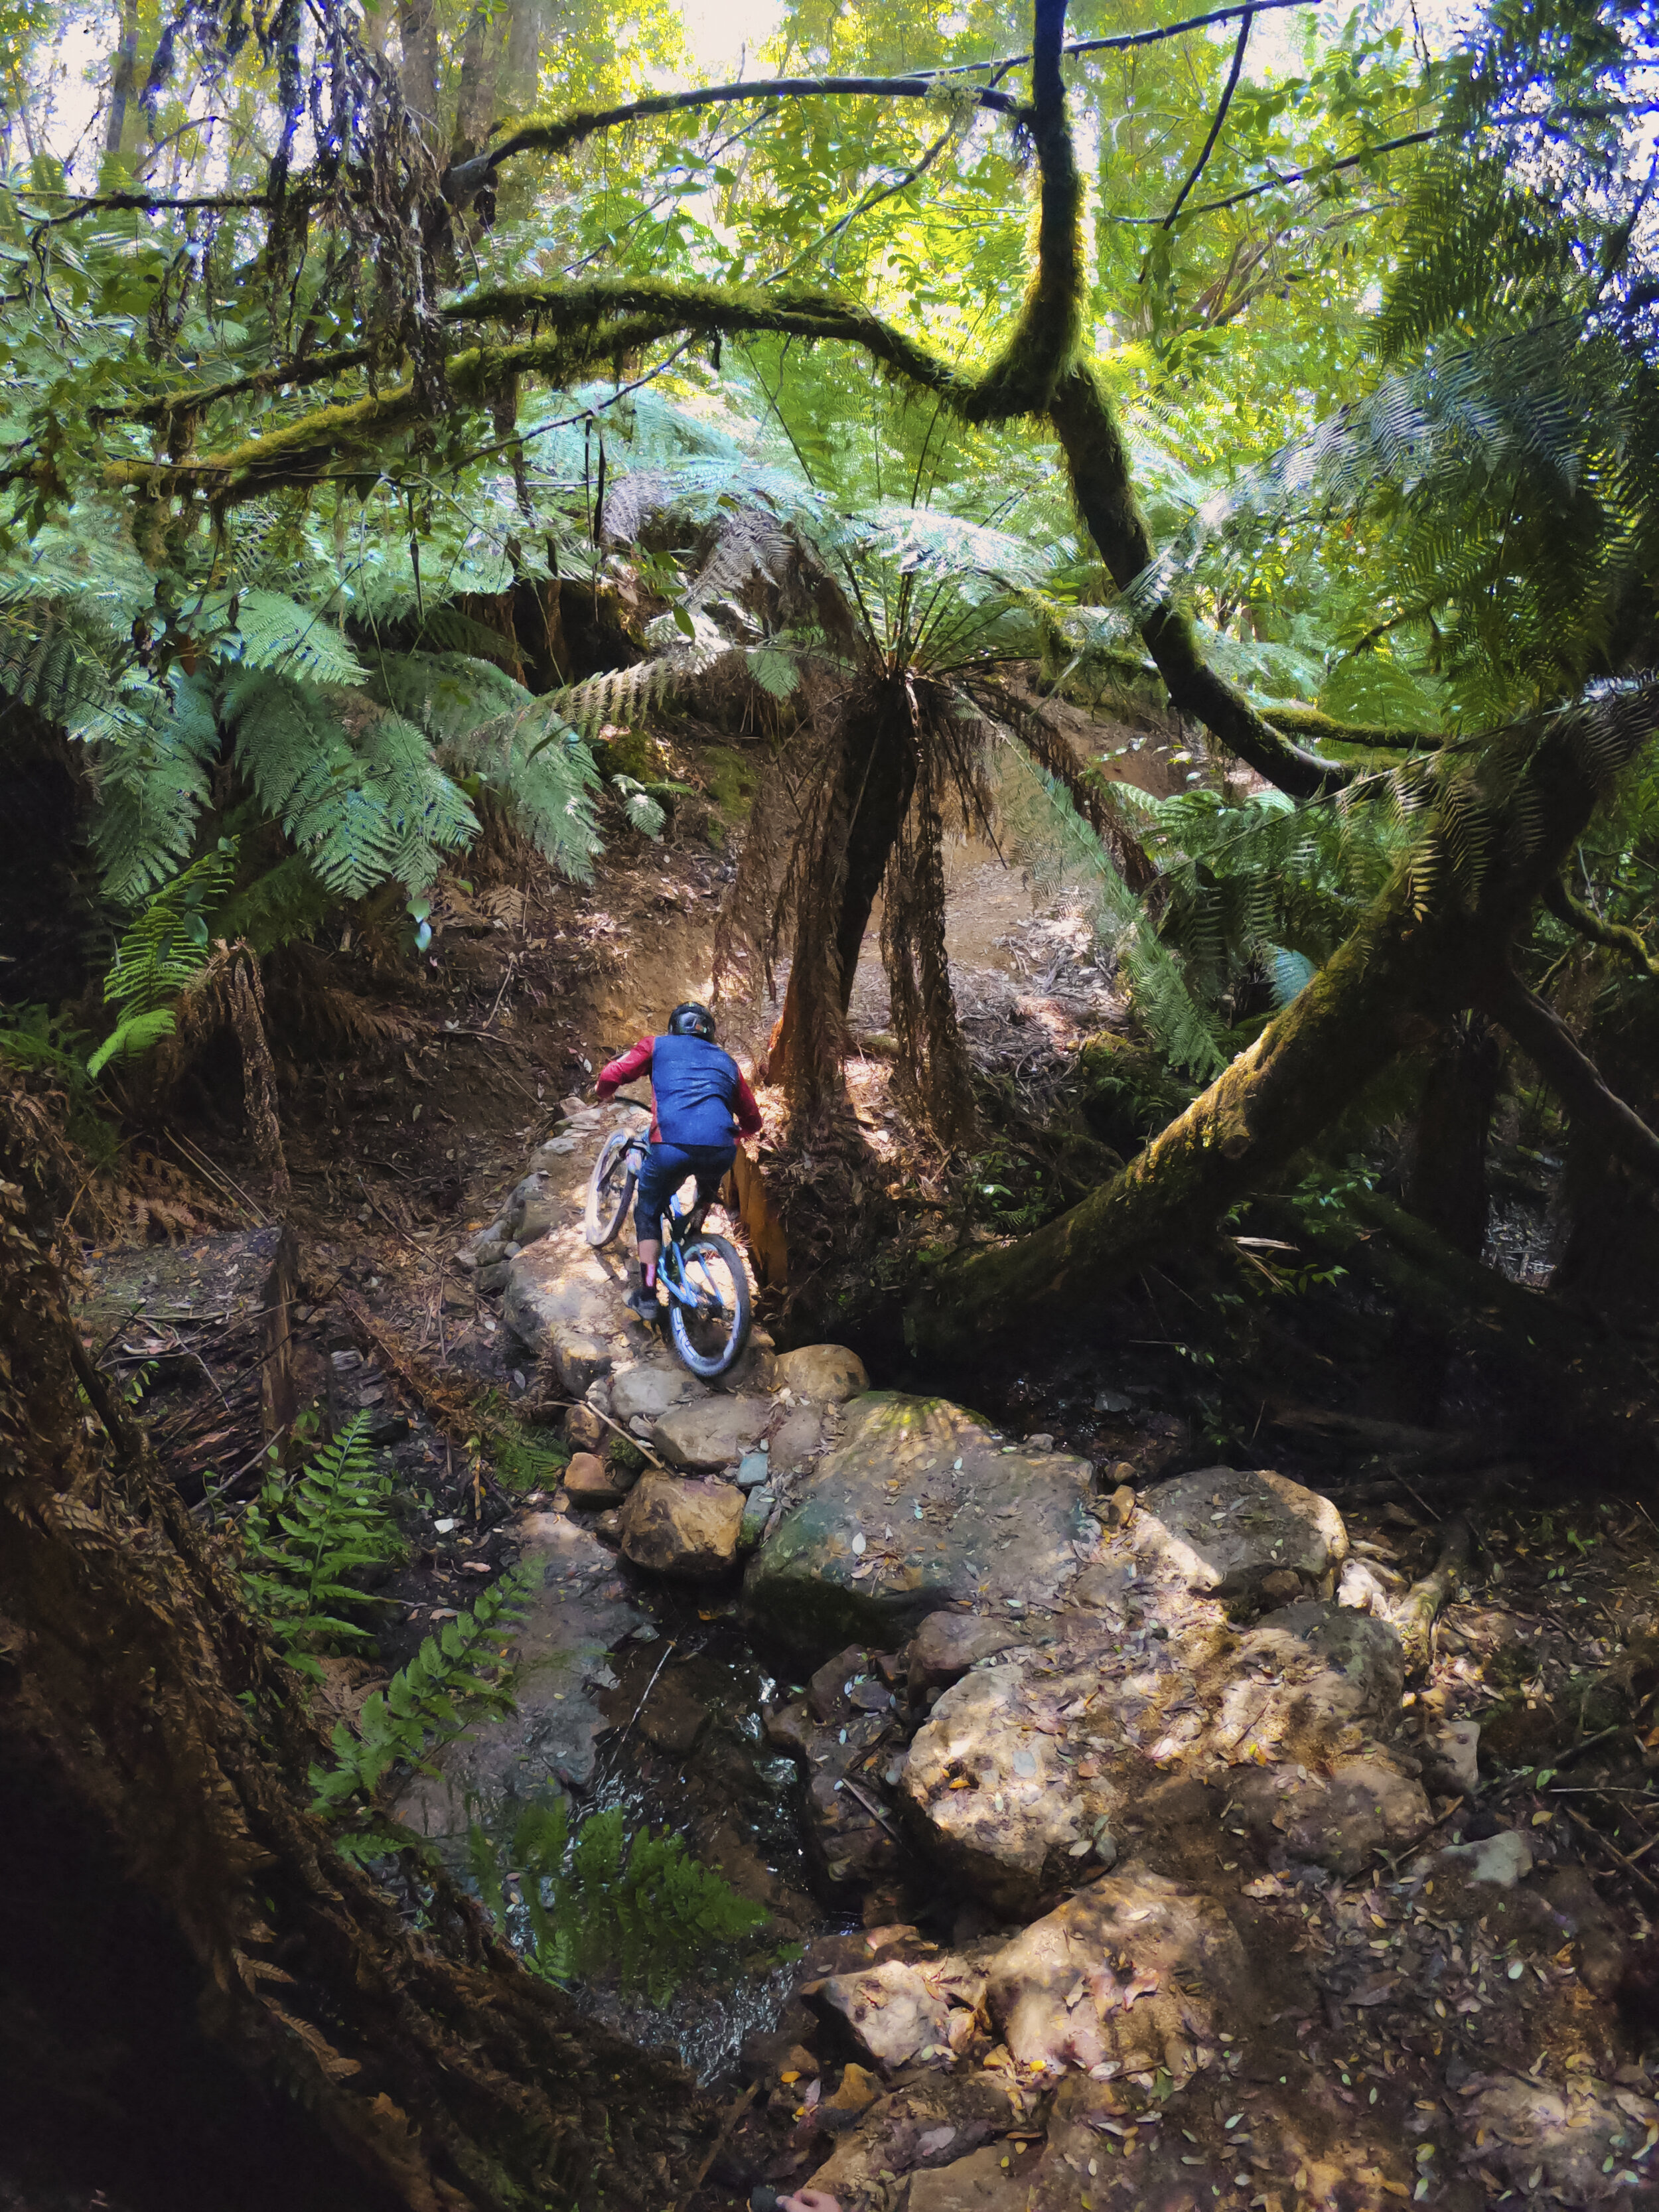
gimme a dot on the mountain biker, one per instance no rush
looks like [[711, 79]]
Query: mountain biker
[[698, 1092]]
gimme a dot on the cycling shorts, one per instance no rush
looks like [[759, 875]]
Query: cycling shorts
[[667, 1167]]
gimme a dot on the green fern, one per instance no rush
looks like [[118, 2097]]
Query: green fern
[[306, 1544], [161, 951], [640, 1910], [462, 1672], [267, 630]]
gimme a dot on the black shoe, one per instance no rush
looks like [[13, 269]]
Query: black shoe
[[643, 1305]]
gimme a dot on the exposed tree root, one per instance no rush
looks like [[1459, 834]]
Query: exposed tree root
[[1418, 1611]]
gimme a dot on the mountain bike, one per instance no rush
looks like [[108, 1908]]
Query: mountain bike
[[703, 1275]]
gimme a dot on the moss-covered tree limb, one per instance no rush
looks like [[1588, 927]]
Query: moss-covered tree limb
[[1428, 946], [1311, 725], [1575, 1079], [1585, 923], [1098, 461]]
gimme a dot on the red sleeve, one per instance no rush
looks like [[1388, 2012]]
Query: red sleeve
[[633, 1062], [749, 1114]]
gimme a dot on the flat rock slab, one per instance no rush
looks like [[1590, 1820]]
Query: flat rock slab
[[648, 1388], [710, 1432], [978, 2183], [919, 1506], [562, 1303], [825, 1373], [580, 1613], [948, 1644], [1224, 1531], [1137, 1972], [679, 1527], [935, 2122]]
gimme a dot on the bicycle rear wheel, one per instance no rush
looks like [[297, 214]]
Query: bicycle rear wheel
[[709, 1337], [609, 1188]]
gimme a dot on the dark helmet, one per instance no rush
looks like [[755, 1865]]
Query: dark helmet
[[691, 1019]]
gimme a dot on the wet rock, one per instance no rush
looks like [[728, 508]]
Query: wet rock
[[947, 1644], [756, 1512], [588, 1480], [710, 1432], [753, 1468], [1134, 1972], [1224, 1531], [919, 1505], [850, 1842], [978, 2183], [933, 2122], [829, 1690], [548, 1743], [671, 1717], [651, 1388], [682, 1528], [994, 1798], [1341, 1819], [826, 1374], [562, 1304]]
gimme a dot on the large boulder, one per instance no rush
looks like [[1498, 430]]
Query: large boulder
[[562, 1304], [681, 1528], [710, 1433], [920, 1506], [898, 2012], [1224, 1531], [1136, 1972], [825, 1373], [998, 1797]]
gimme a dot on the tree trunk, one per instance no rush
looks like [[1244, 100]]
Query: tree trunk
[[417, 26], [475, 106], [436, 2063], [1422, 951], [875, 777], [123, 75], [1446, 1182]]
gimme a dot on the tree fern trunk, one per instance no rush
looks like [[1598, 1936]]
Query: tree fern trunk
[[437, 2064]]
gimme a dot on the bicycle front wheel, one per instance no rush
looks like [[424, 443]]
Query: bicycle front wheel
[[609, 1188], [709, 1336]]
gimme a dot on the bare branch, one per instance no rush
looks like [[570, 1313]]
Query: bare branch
[[1315, 169], [1227, 92], [1575, 1077]]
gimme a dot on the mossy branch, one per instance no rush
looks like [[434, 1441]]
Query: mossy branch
[[1571, 1074], [1614, 935], [1312, 726]]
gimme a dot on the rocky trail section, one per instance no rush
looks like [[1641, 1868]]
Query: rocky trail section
[[1176, 1891]]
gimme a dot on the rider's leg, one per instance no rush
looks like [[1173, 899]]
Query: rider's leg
[[664, 1170]]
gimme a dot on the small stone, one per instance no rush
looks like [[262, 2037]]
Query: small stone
[[344, 1363], [555, 1148], [756, 1512], [1040, 1442], [492, 1279], [1502, 1860], [753, 1468], [1110, 1401], [1280, 1588], [948, 1644], [589, 1482], [584, 1429], [682, 1528], [1120, 1507], [710, 1432]]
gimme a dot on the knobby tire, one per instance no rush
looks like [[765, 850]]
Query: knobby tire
[[704, 1359], [610, 1189]]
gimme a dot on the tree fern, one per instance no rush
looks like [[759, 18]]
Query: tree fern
[[160, 953], [267, 630]]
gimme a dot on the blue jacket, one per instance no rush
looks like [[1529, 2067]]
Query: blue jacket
[[700, 1091]]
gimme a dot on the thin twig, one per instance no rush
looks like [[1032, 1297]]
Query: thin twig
[[1228, 90], [638, 1443], [1612, 1851], [649, 1686]]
